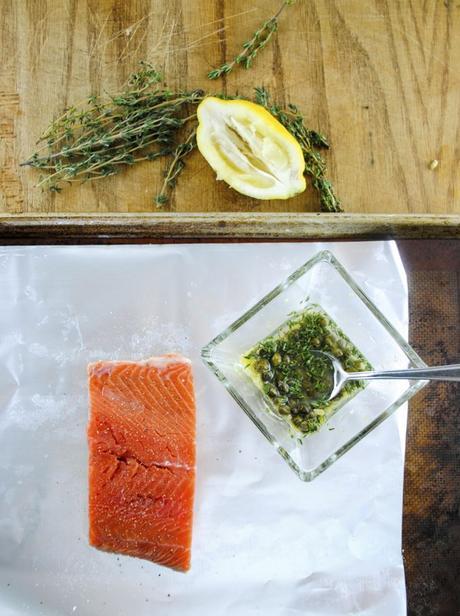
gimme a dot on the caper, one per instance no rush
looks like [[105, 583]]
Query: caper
[[297, 420], [337, 352], [283, 409], [305, 409], [267, 376], [330, 341], [286, 359], [306, 381], [272, 391], [306, 426], [276, 359], [344, 344], [299, 407], [263, 365], [283, 386], [316, 342], [308, 388]]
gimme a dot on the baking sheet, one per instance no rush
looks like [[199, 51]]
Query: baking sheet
[[264, 542]]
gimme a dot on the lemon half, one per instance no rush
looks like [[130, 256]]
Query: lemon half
[[249, 149]]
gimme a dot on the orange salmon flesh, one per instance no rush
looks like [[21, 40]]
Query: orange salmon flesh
[[141, 437]]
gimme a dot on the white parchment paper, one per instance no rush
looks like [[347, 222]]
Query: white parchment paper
[[264, 542]]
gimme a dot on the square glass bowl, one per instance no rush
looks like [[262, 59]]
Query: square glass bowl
[[321, 281]]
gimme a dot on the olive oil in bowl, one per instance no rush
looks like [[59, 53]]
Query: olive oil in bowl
[[295, 381]]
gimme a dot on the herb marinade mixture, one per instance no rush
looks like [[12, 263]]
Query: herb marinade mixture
[[297, 381]]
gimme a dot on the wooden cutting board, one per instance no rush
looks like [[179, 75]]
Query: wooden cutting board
[[379, 77]]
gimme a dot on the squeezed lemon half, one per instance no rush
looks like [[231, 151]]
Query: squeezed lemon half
[[249, 149]]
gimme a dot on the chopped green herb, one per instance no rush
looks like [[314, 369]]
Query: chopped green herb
[[294, 379]]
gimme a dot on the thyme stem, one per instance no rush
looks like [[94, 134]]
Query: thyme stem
[[315, 165], [175, 168], [98, 139], [253, 46]]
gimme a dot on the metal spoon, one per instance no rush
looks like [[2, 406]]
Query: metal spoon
[[435, 373]]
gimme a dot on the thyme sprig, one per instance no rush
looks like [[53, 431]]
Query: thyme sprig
[[102, 137], [147, 121], [175, 168], [253, 46], [315, 165]]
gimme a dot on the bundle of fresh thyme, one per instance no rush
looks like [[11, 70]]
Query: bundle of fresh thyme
[[144, 122], [141, 123], [251, 48]]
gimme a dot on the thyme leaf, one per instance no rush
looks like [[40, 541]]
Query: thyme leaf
[[176, 167], [104, 136], [253, 46], [315, 165]]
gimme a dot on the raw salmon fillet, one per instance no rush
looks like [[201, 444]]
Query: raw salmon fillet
[[141, 437]]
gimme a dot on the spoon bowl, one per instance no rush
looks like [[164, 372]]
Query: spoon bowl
[[339, 376]]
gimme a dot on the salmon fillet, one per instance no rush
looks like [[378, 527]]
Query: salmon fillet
[[141, 437]]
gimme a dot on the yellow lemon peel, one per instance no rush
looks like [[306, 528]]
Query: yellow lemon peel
[[249, 149]]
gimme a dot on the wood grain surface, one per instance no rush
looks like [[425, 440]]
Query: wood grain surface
[[379, 77]]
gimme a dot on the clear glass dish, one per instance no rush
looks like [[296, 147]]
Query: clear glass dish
[[325, 282]]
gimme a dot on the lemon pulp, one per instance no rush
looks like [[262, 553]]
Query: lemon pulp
[[249, 149]]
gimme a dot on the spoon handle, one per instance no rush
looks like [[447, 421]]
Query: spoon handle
[[435, 373]]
